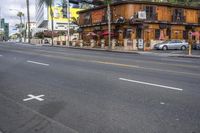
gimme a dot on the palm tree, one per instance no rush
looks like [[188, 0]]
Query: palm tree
[[20, 15], [28, 18], [49, 4]]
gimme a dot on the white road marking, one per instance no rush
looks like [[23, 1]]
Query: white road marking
[[162, 103], [31, 97], [185, 61], [0, 56], [39, 63], [151, 84]]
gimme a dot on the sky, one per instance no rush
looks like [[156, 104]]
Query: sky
[[10, 8]]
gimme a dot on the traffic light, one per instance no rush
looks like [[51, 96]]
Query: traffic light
[[64, 9]]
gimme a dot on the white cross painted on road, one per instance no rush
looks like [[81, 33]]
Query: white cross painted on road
[[31, 97]]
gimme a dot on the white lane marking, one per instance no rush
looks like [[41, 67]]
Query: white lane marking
[[151, 84], [39, 63], [162, 103], [0, 56], [185, 61], [31, 97]]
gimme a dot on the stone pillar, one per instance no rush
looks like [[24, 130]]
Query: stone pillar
[[125, 44], [73, 43], [81, 43], [92, 43], [135, 44], [102, 43], [114, 41]]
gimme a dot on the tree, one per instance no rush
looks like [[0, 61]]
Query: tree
[[28, 18], [21, 25], [49, 4]]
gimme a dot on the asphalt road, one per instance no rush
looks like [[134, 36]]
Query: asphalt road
[[64, 90]]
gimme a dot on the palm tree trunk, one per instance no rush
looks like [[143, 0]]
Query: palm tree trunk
[[28, 17]]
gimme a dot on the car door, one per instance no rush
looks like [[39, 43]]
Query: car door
[[178, 44], [172, 44]]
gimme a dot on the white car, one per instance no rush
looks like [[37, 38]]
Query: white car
[[172, 44]]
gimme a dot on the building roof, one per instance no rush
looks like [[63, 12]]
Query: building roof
[[144, 2]]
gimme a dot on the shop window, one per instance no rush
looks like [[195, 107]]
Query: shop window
[[157, 34], [87, 18], [151, 12]]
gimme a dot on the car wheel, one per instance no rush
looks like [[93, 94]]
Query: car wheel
[[164, 48], [183, 48]]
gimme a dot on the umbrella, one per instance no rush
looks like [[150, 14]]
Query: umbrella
[[91, 34]]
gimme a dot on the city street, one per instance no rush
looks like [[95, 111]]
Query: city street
[[64, 90]]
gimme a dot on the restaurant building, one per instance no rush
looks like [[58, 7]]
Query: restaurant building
[[139, 25]]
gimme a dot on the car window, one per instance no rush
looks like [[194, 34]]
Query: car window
[[173, 41], [178, 41]]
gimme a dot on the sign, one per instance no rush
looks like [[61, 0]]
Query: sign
[[58, 14], [140, 44], [142, 15], [97, 16]]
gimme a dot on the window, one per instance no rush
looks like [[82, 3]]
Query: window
[[178, 15], [139, 33], [151, 12]]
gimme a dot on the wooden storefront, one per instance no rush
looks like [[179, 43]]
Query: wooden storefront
[[161, 22]]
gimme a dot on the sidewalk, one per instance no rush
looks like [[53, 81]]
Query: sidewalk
[[153, 53], [170, 53]]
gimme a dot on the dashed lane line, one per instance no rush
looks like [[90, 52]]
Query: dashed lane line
[[151, 84], [38, 63]]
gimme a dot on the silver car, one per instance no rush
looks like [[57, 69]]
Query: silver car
[[172, 44]]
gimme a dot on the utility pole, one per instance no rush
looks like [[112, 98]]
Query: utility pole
[[109, 22], [109, 26], [66, 14], [68, 22], [28, 17]]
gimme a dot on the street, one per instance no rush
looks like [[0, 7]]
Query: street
[[64, 90]]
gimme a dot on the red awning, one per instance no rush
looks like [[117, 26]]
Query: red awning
[[106, 33]]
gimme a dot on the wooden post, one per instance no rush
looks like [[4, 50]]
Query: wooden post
[[190, 44]]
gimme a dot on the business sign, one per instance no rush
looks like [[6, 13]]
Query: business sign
[[58, 14], [142, 15], [97, 16]]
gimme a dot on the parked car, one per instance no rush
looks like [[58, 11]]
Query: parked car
[[172, 44], [196, 46]]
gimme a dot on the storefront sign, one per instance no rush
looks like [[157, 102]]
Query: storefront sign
[[140, 44], [97, 16]]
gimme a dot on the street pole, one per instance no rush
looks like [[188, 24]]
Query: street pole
[[20, 17], [28, 17], [109, 26], [68, 23], [190, 44]]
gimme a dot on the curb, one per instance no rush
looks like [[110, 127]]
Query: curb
[[95, 49], [185, 56], [126, 52]]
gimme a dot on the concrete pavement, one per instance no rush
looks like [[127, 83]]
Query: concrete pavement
[[96, 91]]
